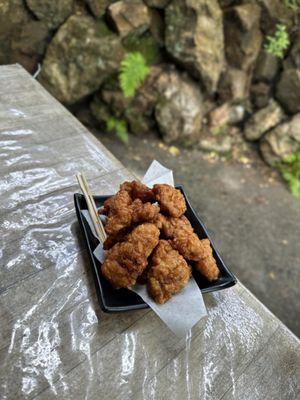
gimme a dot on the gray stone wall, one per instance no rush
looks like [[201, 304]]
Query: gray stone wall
[[209, 70]]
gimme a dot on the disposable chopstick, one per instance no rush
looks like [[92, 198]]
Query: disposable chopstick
[[92, 208], [99, 222]]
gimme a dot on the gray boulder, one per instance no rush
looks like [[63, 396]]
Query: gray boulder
[[157, 3], [129, 15], [79, 58], [218, 144], [179, 109], [22, 39], [243, 37], [53, 13], [194, 37], [226, 114], [234, 84], [288, 90], [275, 12], [98, 7], [281, 141], [263, 120], [266, 68], [260, 94], [288, 87]]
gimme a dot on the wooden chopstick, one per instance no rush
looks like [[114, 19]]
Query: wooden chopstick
[[91, 207], [94, 206]]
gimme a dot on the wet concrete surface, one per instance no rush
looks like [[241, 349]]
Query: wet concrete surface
[[252, 218]]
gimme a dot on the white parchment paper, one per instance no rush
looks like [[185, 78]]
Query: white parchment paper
[[184, 309]]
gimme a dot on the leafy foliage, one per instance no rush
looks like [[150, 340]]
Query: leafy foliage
[[290, 171], [293, 4], [119, 127], [278, 43], [134, 71]]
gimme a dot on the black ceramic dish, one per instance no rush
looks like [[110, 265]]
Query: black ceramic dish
[[113, 300]]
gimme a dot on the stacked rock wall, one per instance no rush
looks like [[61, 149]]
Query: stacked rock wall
[[209, 69]]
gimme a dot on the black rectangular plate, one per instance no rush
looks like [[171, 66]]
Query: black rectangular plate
[[119, 300]]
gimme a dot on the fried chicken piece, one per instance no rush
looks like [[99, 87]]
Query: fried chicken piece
[[120, 221], [207, 266], [111, 240], [182, 235], [119, 224], [168, 273], [171, 200], [143, 212], [169, 225], [127, 260], [117, 202], [137, 190]]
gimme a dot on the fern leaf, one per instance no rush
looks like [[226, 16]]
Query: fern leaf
[[119, 127], [134, 71]]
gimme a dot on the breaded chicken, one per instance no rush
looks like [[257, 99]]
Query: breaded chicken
[[127, 260], [137, 190], [136, 212], [171, 200], [121, 221], [120, 200], [207, 266], [183, 238], [143, 212], [168, 272], [169, 225]]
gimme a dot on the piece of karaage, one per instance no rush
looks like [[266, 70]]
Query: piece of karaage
[[168, 272], [137, 190], [171, 200], [207, 266], [126, 260], [121, 220], [182, 235], [114, 203], [122, 216]]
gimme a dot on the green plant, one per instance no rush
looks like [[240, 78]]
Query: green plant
[[293, 4], [119, 127], [219, 130], [134, 71], [290, 171], [145, 44], [278, 43]]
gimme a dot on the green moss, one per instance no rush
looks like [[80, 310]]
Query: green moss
[[219, 131], [290, 171], [102, 28], [145, 44]]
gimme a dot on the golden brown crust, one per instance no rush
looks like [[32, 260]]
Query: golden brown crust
[[168, 272], [183, 238], [134, 225], [171, 200], [207, 266], [137, 190], [125, 261], [123, 216], [120, 200]]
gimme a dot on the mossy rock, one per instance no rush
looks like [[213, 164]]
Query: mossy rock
[[145, 44]]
